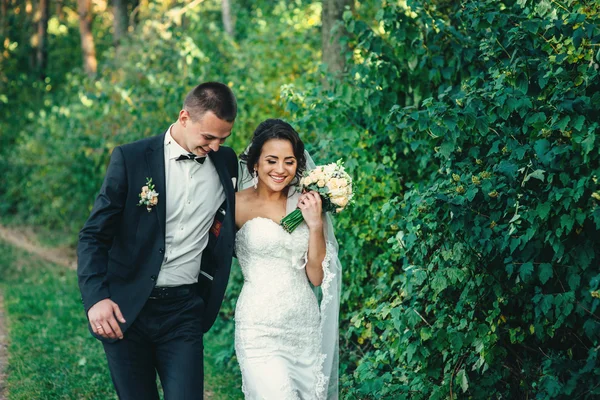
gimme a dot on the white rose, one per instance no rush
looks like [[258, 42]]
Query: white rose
[[332, 184], [340, 201], [339, 192]]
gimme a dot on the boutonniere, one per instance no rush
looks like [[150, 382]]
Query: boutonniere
[[148, 197]]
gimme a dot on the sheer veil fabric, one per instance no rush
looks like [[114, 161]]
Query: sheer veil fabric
[[328, 294]]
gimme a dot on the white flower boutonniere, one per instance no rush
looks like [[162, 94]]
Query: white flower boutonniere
[[148, 197]]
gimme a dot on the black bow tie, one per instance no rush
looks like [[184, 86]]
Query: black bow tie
[[191, 156]]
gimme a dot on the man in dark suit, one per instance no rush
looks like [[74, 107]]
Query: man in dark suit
[[155, 254]]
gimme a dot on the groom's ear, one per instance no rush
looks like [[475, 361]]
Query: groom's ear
[[184, 116]]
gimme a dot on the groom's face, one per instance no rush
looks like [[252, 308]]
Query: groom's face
[[204, 134]]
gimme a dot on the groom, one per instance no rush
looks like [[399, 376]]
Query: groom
[[155, 253]]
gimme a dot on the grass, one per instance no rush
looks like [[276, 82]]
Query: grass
[[51, 355], [222, 380]]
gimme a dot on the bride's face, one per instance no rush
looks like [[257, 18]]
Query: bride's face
[[276, 165]]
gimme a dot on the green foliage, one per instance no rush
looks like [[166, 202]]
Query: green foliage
[[470, 253]]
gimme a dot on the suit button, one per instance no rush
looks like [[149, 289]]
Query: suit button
[[161, 251], [153, 277]]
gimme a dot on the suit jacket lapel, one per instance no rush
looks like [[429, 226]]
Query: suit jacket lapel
[[155, 157], [221, 168]]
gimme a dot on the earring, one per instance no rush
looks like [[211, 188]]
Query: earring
[[255, 179]]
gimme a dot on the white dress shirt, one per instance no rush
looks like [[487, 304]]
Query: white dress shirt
[[193, 195]]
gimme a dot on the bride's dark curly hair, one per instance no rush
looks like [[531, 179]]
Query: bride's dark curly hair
[[275, 129]]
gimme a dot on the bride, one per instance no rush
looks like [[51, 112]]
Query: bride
[[286, 318]]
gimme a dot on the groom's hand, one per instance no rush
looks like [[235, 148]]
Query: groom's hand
[[103, 318]]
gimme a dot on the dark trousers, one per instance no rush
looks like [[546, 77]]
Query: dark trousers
[[166, 338]]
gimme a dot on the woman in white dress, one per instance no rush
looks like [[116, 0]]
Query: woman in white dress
[[286, 340]]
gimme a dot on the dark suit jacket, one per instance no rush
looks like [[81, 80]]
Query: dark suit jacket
[[121, 246]]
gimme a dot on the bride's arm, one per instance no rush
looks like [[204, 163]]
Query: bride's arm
[[316, 255], [310, 205]]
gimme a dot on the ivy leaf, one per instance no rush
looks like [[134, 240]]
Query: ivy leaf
[[562, 124], [455, 274], [543, 209], [525, 271], [425, 333], [542, 149], [507, 168], [510, 268], [471, 193], [588, 143], [591, 328], [546, 303], [566, 222], [574, 280], [462, 378], [410, 351], [456, 340], [439, 283], [537, 174], [578, 123], [546, 272], [446, 148]]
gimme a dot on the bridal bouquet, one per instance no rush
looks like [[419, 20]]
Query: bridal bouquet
[[334, 185]]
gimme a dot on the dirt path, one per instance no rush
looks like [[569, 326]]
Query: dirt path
[[25, 239]]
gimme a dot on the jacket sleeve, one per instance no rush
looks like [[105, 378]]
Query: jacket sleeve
[[96, 236]]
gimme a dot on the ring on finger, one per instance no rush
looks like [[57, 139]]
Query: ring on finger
[[99, 327]]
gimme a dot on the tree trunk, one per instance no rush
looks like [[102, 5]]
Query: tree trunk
[[90, 64], [42, 37], [226, 15], [4, 19], [334, 55], [120, 21], [60, 13], [29, 33]]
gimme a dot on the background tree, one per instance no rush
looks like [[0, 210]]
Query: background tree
[[42, 38], [3, 17], [228, 22], [334, 49], [120, 20], [60, 13], [88, 48]]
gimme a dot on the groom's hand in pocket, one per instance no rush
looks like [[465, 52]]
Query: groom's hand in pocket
[[103, 317]]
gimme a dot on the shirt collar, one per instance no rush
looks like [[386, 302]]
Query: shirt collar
[[174, 149]]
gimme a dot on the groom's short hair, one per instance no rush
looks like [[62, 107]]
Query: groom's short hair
[[211, 96]]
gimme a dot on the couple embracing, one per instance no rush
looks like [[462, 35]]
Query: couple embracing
[[155, 254]]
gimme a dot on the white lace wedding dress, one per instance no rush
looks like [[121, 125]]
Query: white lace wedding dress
[[277, 317]]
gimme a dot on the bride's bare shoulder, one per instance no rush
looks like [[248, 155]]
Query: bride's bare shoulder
[[244, 200], [244, 194]]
